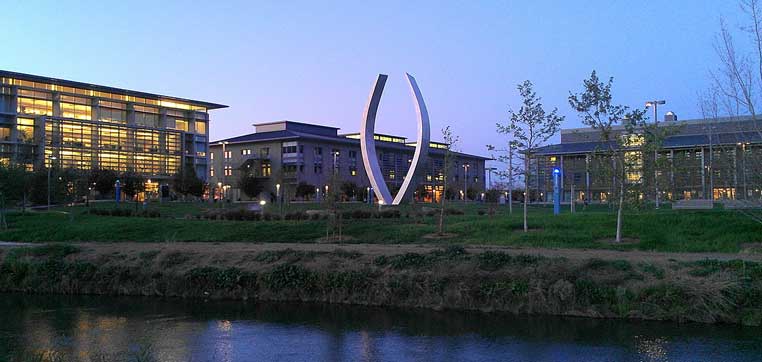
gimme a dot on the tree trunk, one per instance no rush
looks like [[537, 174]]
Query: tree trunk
[[526, 193], [619, 212], [442, 210]]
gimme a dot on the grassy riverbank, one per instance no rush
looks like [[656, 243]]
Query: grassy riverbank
[[487, 279], [660, 230]]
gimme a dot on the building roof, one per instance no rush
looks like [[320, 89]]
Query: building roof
[[101, 88], [286, 134], [677, 141]]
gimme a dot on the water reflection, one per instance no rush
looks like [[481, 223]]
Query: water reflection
[[88, 328]]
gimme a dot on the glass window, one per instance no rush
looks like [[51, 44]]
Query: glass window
[[147, 119], [200, 127], [25, 129], [5, 133], [181, 125], [34, 106], [112, 115], [78, 111]]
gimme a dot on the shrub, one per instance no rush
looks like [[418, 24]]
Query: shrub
[[452, 211], [361, 214], [493, 260], [290, 276]]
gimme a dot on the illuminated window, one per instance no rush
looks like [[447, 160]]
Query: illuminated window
[[78, 111], [211, 155], [353, 171], [245, 151], [181, 125], [266, 169], [25, 129], [5, 133], [211, 172], [228, 155], [228, 171], [200, 127], [632, 140], [392, 175], [34, 106]]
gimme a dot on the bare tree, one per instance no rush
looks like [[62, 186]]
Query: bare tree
[[595, 105], [529, 127], [451, 141], [505, 155]]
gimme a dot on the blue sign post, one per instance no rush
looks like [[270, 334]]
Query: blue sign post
[[556, 191], [118, 191]]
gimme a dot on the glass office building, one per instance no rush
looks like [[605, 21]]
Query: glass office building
[[52, 122]]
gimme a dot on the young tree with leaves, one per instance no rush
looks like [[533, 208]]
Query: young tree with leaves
[[529, 127], [597, 110], [132, 184], [451, 142]]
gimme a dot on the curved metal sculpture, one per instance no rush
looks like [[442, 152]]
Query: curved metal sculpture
[[368, 142]]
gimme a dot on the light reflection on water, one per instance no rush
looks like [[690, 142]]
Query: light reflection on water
[[85, 328]]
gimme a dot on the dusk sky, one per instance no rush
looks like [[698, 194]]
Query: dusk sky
[[316, 61]]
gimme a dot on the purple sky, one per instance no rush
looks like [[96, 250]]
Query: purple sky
[[316, 61]]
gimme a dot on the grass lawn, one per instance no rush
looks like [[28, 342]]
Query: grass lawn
[[659, 230]]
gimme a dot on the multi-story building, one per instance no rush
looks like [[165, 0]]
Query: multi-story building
[[290, 153], [699, 159], [53, 122]]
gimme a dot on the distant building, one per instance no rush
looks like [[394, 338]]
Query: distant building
[[53, 122], [703, 159], [289, 153]]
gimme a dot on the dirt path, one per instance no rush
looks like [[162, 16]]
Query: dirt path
[[392, 249]]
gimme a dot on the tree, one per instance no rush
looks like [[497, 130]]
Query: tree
[[186, 182], [304, 190], [349, 189], [251, 185], [132, 184], [529, 127], [736, 91], [597, 110], [451, 142], [14, 187], [103, 180]]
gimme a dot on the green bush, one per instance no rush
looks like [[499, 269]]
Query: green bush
[[291, 277]]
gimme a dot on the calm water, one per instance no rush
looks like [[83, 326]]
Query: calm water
[[177, 330]]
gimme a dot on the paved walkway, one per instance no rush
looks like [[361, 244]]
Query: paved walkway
[[6, 244]]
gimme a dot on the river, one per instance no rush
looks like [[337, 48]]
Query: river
[[89, 328]]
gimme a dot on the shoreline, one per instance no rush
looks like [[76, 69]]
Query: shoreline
[[682, 287]]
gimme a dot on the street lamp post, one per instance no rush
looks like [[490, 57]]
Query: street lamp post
[[50, 167], [278, 197], [655, 104], [465, 181]]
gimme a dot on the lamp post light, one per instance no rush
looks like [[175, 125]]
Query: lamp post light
[[317, 194], [465, 180], [655, 104], [262, 207], [50, 167], [556, 191], [279, 198], [367, 193], [380, 203], [220, 191]]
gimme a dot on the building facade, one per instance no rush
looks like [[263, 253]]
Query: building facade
[[289, 153], [712, 159], [48, 122]]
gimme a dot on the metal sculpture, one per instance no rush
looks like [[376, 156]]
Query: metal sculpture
[[368, 143]]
